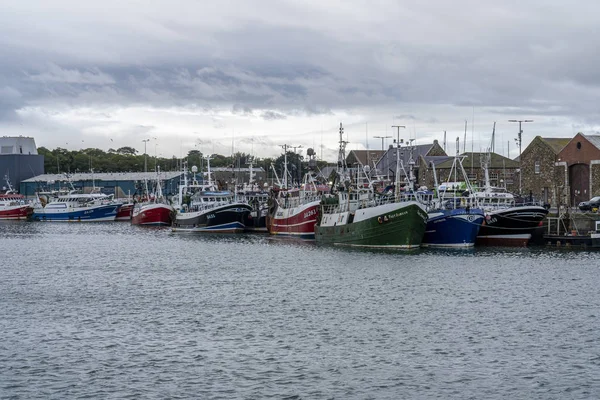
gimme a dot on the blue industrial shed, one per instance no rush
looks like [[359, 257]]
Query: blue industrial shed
[[121, 184]]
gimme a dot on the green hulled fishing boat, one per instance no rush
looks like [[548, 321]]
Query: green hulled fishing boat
[[360, 220], [355, 215]]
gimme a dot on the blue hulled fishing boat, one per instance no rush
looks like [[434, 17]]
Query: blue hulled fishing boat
[[76, 207]]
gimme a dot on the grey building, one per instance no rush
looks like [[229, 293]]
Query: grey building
[[19, 160], [409, 155], [120, 184]]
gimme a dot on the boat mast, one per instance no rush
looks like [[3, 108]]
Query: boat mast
[[276, 176], [342, 153], [486, 162], [397, 183], [210, 183]]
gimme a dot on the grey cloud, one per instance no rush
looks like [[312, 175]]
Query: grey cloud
[[56, 74], [272, 116], [465, 54]]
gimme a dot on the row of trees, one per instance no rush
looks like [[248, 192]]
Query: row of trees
[[127, 159]]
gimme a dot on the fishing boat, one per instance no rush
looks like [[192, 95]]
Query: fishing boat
[[506, 223], [256, 220], [154, 210], [293, 212], [76, 207], [257, 198], [355, 215], [14, 206], [124, 213], [203, 208], [453, 219]]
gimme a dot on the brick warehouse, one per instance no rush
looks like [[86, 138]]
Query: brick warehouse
[[578, 168]]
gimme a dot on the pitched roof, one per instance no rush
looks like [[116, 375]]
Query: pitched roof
[[593, 139], [497, 161], [557, 144], [436, 160], [361, 155]]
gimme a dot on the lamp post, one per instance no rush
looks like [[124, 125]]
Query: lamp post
[[519, 140], [145, 156], [382, 139]]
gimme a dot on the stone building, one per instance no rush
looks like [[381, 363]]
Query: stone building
[[409, 155], [539, 170], [578, 169], [363, 157], [501, 170]]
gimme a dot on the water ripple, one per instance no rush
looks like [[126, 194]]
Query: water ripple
[[115, 311]]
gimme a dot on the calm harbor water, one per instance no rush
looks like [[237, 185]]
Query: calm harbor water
[[115, 311]]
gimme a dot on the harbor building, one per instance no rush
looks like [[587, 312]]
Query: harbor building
[[541, 177], [364, 157], [578, 168], [19, 160], [119, 184], [409, 157], [501, 170]]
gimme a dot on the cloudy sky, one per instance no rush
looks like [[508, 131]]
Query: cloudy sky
[[205, 74]]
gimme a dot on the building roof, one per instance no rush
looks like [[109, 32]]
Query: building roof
[[497, 161], [361, 155], [108, 176], [557, 144], [593, 139], [436, 160], [17, 145]]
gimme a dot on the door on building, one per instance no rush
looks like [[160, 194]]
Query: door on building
[[579, 180]]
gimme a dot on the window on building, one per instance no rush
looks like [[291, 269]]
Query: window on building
[[537, 167]]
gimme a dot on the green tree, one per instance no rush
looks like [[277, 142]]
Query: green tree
[[127, 150]]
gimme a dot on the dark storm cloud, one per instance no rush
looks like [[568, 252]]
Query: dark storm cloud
[[283, 59]]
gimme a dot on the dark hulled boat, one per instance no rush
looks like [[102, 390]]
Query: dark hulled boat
[[204, 208]]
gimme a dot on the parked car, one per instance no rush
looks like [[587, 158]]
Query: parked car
[[592, 203]]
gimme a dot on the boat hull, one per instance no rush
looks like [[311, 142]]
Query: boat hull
[[222, 219], [298, 222], [152, 214], [124, 213], [256, 221], [395, 225], [21, 212], [101, 213], [453, 228], [511, 226]]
